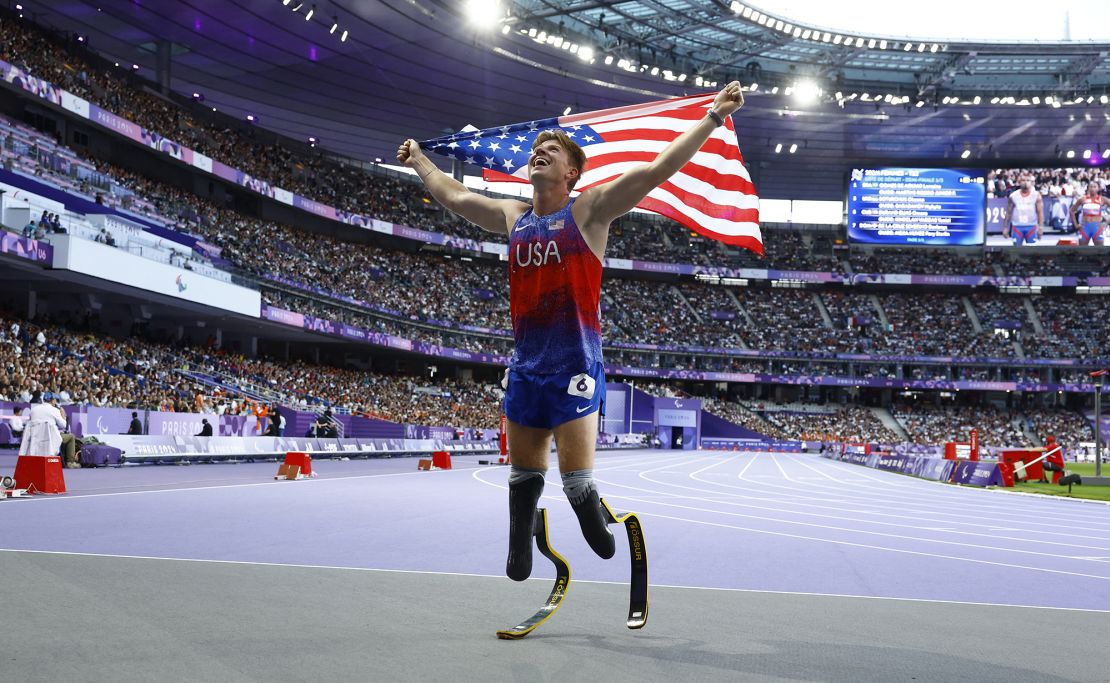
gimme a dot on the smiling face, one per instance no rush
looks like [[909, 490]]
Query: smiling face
[[555, 157]]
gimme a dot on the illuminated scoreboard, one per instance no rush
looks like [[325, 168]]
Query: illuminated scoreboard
[[916, 206]]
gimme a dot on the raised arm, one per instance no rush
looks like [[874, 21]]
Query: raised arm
[[494, 215], [1009, 214], [1040, 215], [605, 203]]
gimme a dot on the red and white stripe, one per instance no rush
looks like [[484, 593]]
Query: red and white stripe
[[712, 195]]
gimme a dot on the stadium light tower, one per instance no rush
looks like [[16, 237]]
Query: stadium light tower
[[483, 13]]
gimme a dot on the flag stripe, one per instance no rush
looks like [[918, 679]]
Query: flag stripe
[[705, 167], [684, 182], [632, 110], [651, 143], [748, 237], [743, 224], [739, 221]]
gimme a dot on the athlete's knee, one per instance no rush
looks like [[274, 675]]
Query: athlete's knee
[[578, 485], [520, 475]]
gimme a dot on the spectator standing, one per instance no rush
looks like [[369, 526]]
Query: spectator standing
[[136, 427]]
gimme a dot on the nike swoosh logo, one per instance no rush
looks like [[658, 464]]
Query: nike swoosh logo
[[582, 409]]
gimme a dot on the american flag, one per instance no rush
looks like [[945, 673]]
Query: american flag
[[712, 195]]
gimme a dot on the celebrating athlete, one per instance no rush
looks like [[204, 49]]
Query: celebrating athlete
[[1087, 215], [556, 380], [1024, 213]]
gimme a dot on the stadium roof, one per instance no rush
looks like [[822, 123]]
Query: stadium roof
[[418, 67]]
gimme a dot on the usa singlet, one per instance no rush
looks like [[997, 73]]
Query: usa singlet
[[554, 295]]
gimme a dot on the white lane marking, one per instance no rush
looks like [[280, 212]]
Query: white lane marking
[[953, 501], [714, 493], [854, 544], [820, 540], [948, 493], [850, 529], [943, 491], [317, 480], [423, 572]]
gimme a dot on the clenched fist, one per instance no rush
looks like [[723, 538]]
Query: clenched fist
[[409, 153], [729, 100]]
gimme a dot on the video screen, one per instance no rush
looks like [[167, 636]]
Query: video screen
[[1073, 211], [916, 206]]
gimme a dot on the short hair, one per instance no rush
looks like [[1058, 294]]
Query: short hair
[[134, 414], [574, 152], [36, 397]]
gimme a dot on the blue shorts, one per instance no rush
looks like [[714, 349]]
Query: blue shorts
[[1023, 234], [1090, 231], [547, 401]]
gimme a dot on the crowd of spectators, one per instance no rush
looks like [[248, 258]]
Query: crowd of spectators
[[87, 368], [1050, 182], [843, 423], [935, 425], [356, 317], [93, 369], [1068, 427], [1073, 328], [82, 368], [309, 171], [474, 292]]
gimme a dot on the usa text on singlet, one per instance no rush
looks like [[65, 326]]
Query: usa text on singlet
[[554, 295]]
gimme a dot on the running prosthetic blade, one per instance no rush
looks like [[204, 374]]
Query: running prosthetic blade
[[558, 591], [637, 550]]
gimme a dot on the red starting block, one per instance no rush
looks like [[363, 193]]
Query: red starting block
[[40, 473], [441, 460], [296, 466]]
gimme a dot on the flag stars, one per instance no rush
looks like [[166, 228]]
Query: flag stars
[[521, 138], [452, 145], [474, 144], [515, 149], [588, 138], [494, 146], [508, 164], [470, 160]]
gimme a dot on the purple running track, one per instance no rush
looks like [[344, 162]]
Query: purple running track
[[785, 522]]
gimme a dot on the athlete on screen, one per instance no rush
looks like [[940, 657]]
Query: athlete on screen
[[1087, 215], [1024, 213], [556, 380]]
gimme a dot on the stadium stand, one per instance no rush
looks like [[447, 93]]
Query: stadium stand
[[386, 288]]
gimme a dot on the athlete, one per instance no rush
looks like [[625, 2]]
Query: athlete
[[1024, 213], [1087, 215], [556, 382]]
